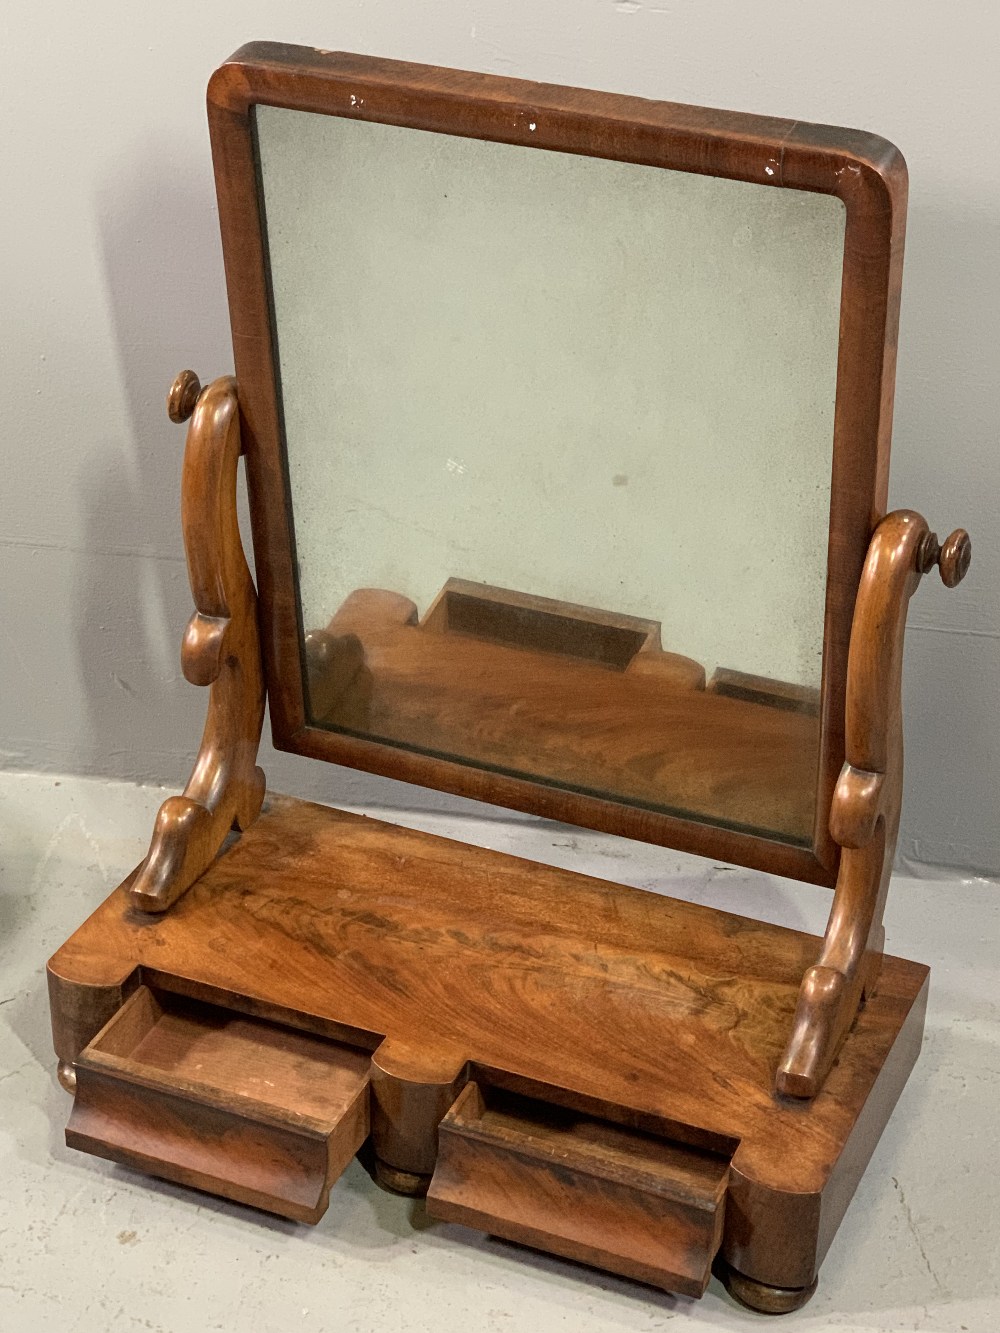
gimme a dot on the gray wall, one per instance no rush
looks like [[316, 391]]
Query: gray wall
[[112, 281]]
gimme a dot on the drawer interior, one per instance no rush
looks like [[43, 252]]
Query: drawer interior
[[240, 1106], [582, 1187], [230, 1056]]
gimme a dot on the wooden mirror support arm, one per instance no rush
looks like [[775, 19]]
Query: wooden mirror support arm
[[864, 816], [221, 649]]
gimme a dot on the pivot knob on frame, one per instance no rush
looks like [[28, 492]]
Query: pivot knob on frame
[[952, 558], [183, 395]]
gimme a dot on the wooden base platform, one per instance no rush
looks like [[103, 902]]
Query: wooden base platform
[[575, 1065]]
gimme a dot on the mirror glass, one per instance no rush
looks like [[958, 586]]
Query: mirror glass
[[559, 437]]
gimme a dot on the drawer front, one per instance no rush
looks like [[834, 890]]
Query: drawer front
[[242, 1108], [579, 1187]]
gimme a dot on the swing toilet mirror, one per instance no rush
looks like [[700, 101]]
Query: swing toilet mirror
[[566, 423]]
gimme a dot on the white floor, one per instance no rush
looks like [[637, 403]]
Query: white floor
[[87, 1247]]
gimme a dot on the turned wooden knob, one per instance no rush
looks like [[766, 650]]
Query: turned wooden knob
[[183, 396], [953, 558]]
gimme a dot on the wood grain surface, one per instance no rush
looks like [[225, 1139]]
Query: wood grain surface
[[451, 962], [574, 1064], [579, 1187], [221, 649], [262, 1114], [864, 817], [648, 732]]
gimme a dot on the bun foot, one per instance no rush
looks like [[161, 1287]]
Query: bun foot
[[760, 1296], [400, 1182], [66, 1074]]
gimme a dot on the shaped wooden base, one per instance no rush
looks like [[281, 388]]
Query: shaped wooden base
[[580, 1066]]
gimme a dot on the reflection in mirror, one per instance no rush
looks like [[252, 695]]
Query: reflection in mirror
[[559, 435]]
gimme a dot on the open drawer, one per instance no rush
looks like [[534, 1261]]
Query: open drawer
[[254, 1111], [580, 1187]]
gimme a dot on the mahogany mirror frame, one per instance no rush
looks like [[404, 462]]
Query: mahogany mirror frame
[[864, 171]]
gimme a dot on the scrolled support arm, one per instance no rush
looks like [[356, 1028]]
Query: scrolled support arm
[[864, 817], [220, 649]]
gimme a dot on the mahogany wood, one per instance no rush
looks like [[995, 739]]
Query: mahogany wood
[[261, 1114], [220, 649], [413, 1084], [574, 1064], [547, 625], [182, 397], [447, 962], [762, 1297], [764, 690], [864, 171], [864, 818], [646, 730], [580, 1187]]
